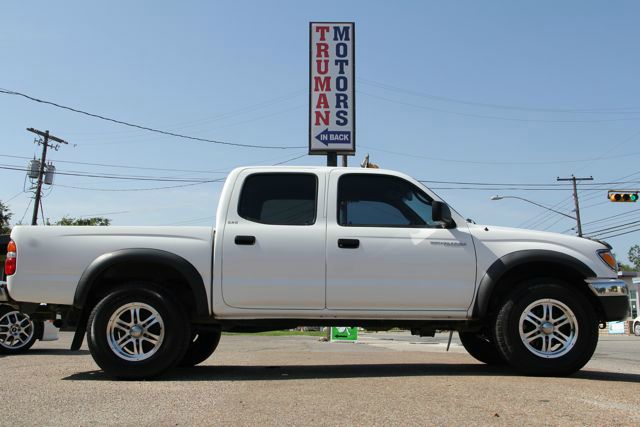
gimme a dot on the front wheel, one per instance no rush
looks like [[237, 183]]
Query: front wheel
[[138, 331], [18, 332], [636, 329], [546, 328]]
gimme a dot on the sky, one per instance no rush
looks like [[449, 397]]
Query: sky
[[511, 94]]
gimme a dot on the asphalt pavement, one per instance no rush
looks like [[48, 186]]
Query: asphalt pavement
[[385, 379]]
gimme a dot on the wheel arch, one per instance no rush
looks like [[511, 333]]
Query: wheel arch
[[111, 269], [516, 266]]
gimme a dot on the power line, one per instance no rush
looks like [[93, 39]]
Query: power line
[[177, 135], [615, 227], [620, 234], [486, 116], [113, 176], [217, 180], [613, 223], [610, 217], [120, 166], [137, 189], [480, 162], [498, 106]]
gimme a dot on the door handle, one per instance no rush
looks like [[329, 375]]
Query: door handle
[[348, 243], [245, 240]]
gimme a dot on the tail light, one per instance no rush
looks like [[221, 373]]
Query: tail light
[[10, 261]]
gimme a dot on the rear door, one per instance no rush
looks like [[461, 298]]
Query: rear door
[[273, 254]]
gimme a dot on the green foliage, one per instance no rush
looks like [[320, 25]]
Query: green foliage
[[634, 256], [625, 267], [5, 217], [66, 220]]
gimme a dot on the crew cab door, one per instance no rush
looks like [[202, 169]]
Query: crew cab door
[[384, 252], [273, 254]]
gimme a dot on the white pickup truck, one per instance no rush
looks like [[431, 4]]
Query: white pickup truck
[[297, 246]]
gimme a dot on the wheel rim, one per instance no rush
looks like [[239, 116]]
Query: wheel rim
[[637, 329], [16, 330], [135, 331], [548, 328]]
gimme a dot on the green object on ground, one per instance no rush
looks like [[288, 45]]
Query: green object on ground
[[347, 334]]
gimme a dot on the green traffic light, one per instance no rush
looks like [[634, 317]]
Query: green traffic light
[[634, 197]]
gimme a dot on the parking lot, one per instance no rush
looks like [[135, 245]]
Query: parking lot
[[385, 379]]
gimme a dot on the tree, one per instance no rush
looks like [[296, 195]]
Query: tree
[[634, 256], [66, 220], [5, 217]]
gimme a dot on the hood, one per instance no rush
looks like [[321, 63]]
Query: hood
[[492, 233]]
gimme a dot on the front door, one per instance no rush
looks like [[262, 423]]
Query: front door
[[384, 252]]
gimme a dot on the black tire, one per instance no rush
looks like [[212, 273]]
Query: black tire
[[636, 329], [540, 350], [130, 347], [482, 347], [18, 332], [202, 345]]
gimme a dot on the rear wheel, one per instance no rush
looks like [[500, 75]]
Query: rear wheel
[[546, 328], [18, 332], [138, 331], [482, 347], [636, 329], [203, 344]]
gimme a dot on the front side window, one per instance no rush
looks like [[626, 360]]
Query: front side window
[[367, 200], [279, 198]]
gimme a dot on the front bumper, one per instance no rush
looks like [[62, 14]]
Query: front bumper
[[614, 297]]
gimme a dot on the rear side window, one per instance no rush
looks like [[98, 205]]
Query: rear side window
[[279, 198]]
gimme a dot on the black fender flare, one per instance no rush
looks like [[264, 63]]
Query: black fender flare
[[514, 259], [152, 256]]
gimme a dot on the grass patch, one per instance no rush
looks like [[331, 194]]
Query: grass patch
[[280, 333]]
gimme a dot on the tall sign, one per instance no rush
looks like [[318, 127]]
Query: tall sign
[[332, 119]]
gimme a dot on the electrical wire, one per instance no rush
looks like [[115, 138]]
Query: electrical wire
[[177, 135], [14, 196], [481, 162], [620, 234], [615, 110], [610, 217], [25, 211], [603, 230], [486, 116], [217, 180]]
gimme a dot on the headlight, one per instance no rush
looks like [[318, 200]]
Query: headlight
[[607, 257]]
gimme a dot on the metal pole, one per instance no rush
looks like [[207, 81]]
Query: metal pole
[[332, 159], [36, 205], [344, 161], [45, 145], [574, 180]]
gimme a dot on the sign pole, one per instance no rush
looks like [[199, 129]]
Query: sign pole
[[332, 159]]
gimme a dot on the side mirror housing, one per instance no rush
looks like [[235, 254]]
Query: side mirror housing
[[441, 213]]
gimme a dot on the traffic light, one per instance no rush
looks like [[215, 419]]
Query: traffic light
[[623, 196]]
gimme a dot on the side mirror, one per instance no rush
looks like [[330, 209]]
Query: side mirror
[[441, 213]]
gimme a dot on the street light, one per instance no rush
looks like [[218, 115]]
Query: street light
[[496, 197]]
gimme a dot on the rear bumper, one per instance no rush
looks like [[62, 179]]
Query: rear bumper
[[614, 297]]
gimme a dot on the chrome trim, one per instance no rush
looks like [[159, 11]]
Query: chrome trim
[[608, 287]]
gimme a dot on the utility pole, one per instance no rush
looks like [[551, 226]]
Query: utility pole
[[573, 179], [45, 145]]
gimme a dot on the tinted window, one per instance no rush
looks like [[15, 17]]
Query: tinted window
[[382, 201], [279, 198]]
